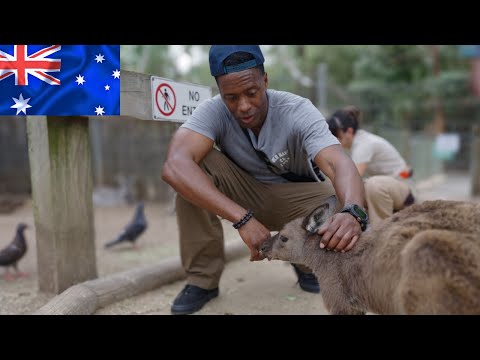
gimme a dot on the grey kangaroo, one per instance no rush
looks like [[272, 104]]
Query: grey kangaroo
[[424, 259]]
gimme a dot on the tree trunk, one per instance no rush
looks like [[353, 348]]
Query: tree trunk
[[475, 161], [438, 125]]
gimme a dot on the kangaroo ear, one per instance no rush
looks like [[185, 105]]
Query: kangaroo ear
[[312, 222]]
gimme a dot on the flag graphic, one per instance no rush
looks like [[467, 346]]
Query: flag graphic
[[60, 80]]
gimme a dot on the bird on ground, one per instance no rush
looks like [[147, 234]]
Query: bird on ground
[[12, 253], [133, 230]]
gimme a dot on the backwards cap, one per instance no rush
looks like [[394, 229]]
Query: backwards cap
[[218, 53]]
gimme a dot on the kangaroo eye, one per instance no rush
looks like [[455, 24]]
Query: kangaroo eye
[[283, 238]]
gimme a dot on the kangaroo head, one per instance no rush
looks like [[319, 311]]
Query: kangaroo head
[[289, 243]]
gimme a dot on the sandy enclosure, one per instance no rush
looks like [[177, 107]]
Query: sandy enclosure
[[245, 288], [159, 241]]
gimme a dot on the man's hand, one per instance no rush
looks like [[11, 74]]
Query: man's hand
[[253, 233], [340, 232]]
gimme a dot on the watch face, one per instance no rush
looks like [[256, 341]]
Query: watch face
[[362, 214]]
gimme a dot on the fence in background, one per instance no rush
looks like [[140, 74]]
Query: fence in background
[[14, 166], [133, 151]]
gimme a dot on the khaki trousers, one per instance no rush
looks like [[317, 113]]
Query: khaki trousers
[[384, 195], [201, 232]]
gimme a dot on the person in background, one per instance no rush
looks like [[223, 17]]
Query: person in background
[[388, 178], [274, 147]]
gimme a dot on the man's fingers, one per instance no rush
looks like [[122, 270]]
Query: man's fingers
[[352, 243], [344, 241], [254, 255], [324, 227], [327, 236], [339, 240]]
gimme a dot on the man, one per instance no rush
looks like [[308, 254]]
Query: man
[[272, 145], [388, 186]]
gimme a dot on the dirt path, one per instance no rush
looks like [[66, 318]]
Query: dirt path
[[246, 287], [267, 288], [158, 242]]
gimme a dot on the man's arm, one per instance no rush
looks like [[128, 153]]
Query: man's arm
[[186, 150], [341, 231]]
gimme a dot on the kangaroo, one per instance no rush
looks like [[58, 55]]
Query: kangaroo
[[424, 259]]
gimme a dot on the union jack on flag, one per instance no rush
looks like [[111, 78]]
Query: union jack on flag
[[60, 80]]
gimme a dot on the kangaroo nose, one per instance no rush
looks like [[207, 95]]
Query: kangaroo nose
[[265, 247]]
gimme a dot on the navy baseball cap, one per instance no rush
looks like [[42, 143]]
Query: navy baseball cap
[[218, 53]]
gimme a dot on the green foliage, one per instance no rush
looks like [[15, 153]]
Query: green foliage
[[394, 85], [449, 84], [406, 85], [150, 59], [391, 63], [199, 72], [339, 59]]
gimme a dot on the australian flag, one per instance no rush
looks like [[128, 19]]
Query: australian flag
[[60, 80]]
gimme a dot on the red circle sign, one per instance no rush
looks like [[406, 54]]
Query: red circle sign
[[168, 106]]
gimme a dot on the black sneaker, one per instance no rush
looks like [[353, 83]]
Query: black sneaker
[[307, 281], [191, 299]]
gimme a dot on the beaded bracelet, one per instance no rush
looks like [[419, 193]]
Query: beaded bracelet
[[243, 220]]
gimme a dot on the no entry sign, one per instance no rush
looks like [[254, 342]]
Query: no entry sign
[[175, 101]]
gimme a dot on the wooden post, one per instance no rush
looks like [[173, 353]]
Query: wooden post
[[61, 177], [136, 95], [475, 161]]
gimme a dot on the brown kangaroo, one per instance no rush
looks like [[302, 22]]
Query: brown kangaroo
[[424, 259]]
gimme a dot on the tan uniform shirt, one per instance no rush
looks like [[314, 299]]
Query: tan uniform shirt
[[380, 156]]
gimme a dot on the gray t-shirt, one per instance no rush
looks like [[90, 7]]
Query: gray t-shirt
[[292, 135]]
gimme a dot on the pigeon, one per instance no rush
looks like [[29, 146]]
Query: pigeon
[[11, 254], [133, 230]]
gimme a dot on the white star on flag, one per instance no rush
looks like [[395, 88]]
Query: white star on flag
[[116, 74], [21, 104], [80, 80], [99, 110], [99, 58], [107, 87]]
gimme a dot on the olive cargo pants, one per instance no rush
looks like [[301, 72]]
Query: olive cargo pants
[[201, 232]]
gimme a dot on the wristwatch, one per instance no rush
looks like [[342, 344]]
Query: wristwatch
[[358, 213]]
